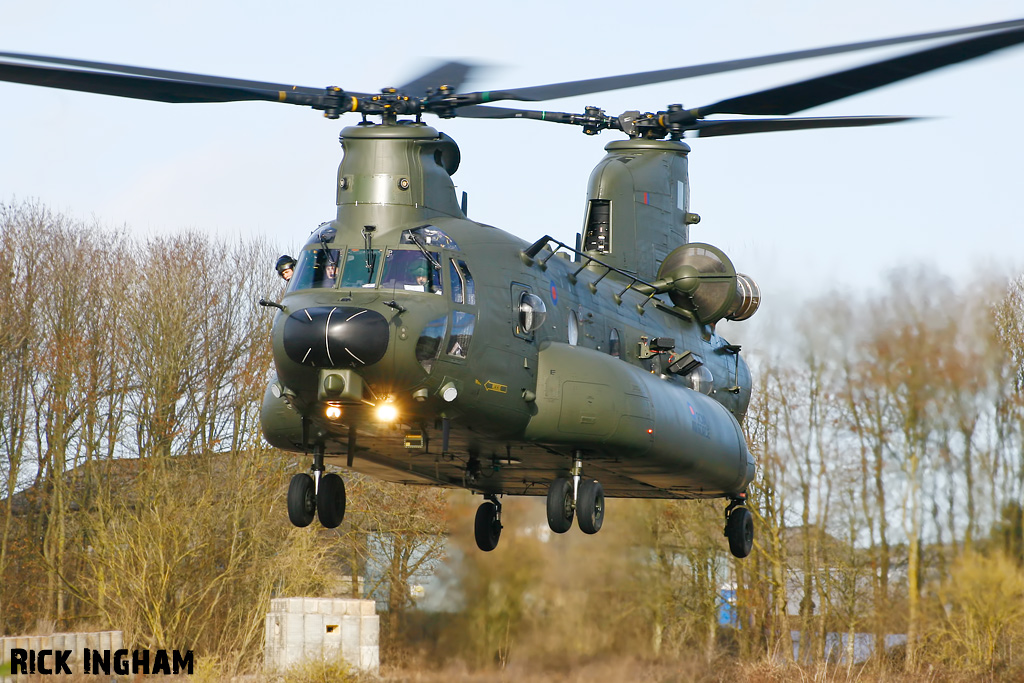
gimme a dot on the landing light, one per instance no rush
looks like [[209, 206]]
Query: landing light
[[333, 412], [387, 412]]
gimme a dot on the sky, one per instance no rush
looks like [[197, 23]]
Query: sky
[[804, 213]]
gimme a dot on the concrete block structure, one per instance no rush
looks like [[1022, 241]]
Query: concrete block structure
[[299, 629]]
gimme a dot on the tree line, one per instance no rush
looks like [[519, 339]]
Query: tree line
[[889, 434], [137, 492]]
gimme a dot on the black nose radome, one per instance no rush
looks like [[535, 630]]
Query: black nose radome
[[336, 337]]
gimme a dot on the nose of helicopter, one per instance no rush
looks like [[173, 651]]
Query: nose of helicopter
[[336, 336]]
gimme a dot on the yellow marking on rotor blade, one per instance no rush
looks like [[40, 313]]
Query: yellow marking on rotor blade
[[355, 104], [281, 95], [661, 119]]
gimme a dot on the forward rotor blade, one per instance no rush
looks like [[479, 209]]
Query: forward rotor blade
[[593, 85], [160, 73], [136, 87], [709, 129], [788, 99], [452, 74]]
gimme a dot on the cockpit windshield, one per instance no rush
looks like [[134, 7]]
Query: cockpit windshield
[[360, 268], [316, 268], [410, 270]]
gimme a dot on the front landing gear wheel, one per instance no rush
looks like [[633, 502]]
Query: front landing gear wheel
[[590, 506], [301, 500], [330, 500], [560, 505], [739, 529], [487, 527]]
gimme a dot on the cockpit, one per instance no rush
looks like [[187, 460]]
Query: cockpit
[[426, 262], [417, 264]]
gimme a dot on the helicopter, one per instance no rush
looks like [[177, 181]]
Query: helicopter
[[419, 346]]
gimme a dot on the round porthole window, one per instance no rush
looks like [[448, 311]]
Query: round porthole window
[[701, 380], [532, 312]]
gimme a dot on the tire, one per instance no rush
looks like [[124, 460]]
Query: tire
[[590, 506], [330, 501], [560, 505], [487, 528], [739, 529], [301, 500]]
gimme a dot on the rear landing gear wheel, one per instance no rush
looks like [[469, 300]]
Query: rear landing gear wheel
[[301, 500], [487, 527], [739, 529], [590, 506], [330, 500], [560, 505]]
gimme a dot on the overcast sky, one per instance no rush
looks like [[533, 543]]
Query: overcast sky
[[801, 212]]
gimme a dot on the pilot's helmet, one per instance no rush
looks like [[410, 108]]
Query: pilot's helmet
[[419, 270], [284, 263]]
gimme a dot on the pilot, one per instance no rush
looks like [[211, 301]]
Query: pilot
[[421, 279], [331, 271], [285, 267]]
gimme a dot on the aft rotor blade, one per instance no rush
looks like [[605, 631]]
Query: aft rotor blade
[[593, 85], [160, 73], [709, 129], [788, 99], [451, 74]]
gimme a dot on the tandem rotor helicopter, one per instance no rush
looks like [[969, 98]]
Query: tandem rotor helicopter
[[418, 346]]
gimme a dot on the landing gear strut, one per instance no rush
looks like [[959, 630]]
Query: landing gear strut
[[487, 527], [321, 495], [579, 497], [739, 527]]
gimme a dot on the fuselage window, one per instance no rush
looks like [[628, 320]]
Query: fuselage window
[[317, 268], [573, 328], [462, 334], [411, 271], [360, 268], [614, 345], [701, 379], [532, 313]]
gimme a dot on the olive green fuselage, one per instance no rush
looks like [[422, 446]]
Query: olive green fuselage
[[483, 401]]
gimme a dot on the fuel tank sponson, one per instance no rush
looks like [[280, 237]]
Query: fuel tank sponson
[[599, 403]]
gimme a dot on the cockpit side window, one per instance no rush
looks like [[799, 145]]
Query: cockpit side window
[[467, 278], [463, 289], [360, 268], [462, 334], [316, 268], [410, 270], [458, 291]]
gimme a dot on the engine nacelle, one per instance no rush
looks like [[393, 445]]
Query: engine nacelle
[[701, 279]]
